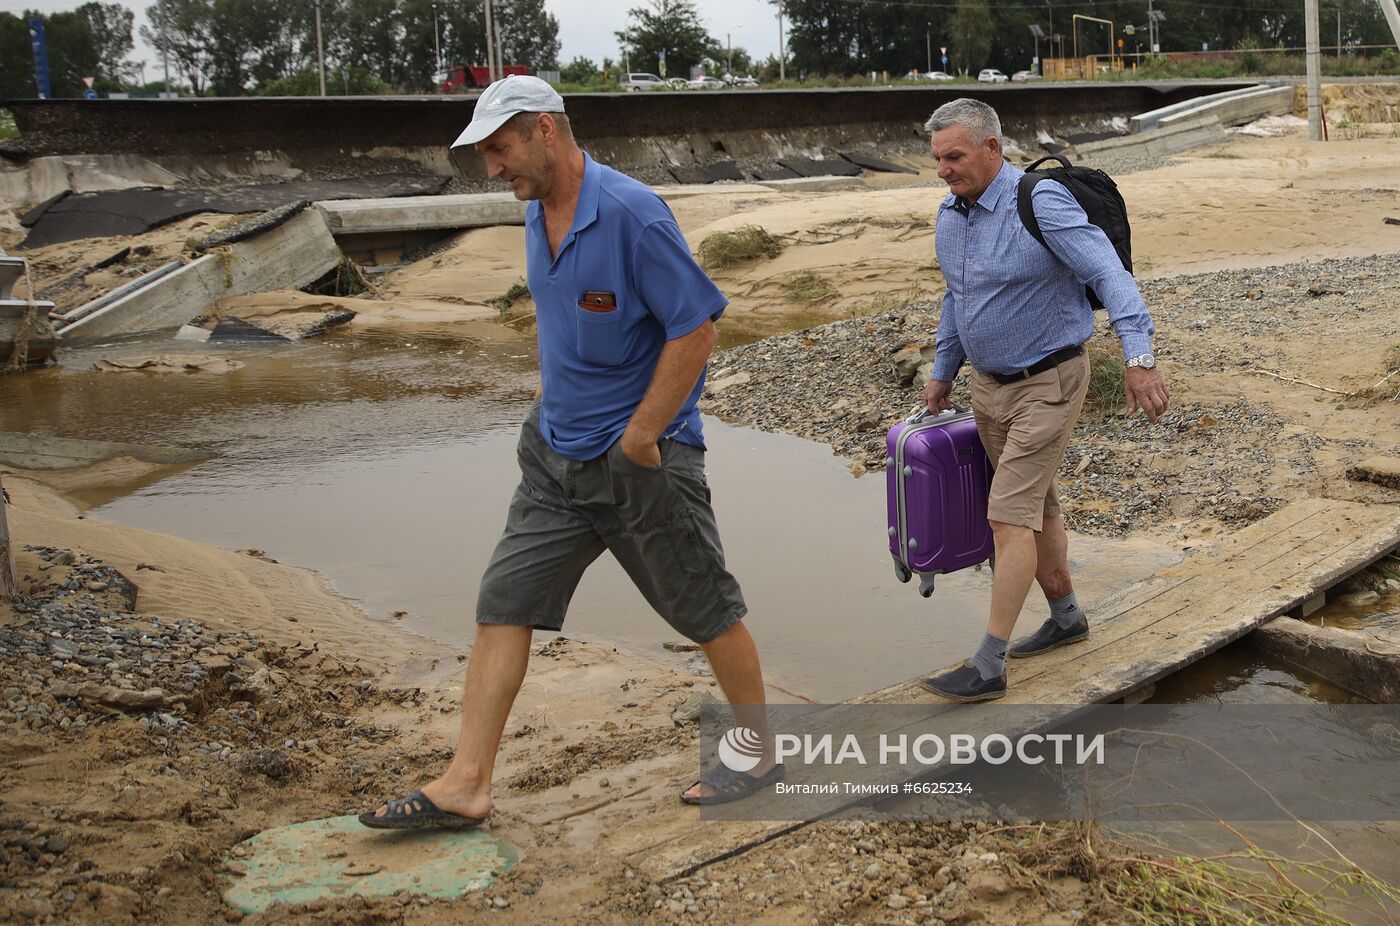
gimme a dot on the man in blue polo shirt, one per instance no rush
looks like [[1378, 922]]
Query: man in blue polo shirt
[[612, 456]]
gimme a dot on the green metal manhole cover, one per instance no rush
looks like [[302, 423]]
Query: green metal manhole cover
[[340, 858]]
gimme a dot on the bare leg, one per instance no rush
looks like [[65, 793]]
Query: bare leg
[[1052, 560], [1016, 569], [494, 676], [734, 659]]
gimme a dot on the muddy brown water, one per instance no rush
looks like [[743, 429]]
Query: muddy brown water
[[386, 460]]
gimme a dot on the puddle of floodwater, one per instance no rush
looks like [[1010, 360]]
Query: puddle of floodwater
[[386, 462], [1240, 674], [1382, 613]]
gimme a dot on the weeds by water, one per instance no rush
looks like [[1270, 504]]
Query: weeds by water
[[1247, 887], [345, 279], [8, 129], [807, 287], [743, 244], [506, 301], [1107, 378]]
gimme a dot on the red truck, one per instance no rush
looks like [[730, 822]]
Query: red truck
[[471, 77]]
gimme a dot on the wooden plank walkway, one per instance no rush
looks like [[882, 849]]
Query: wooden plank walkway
[[1140, 635]]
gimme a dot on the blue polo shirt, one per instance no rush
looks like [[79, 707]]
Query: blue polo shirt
[[596, 363]]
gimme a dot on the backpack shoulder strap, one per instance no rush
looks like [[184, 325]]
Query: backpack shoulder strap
[[1024, 188]]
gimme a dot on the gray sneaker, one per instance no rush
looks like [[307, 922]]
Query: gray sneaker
[[1050, 636], [965, 683]]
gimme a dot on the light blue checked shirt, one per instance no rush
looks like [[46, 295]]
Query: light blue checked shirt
[[1010, 301]]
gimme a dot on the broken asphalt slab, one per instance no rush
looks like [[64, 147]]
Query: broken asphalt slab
[[707, 173], [73, 216], [876, 164], [807, 167]]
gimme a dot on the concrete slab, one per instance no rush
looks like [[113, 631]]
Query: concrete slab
[[1238, 109], [133, 211], [1153, 119], [814, 184], [419, 213], [1161, 142], [287, 257], [870, 163], [1362, 662], [807, 167], [777, 173], [1383, 471], [338, 857], [11, 269], [707, 173]]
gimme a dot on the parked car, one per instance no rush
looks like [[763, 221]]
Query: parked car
[[678, 83], [992, 76], [740, 81], [938, 75], [1023, 76], [706, 83], [640, 81]]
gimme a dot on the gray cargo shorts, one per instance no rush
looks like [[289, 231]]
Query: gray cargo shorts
[[658, 523]]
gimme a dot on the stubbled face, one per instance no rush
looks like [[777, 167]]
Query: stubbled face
[[968, 169], [522, 161]]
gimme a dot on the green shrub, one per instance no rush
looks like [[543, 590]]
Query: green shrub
[[743, 244]]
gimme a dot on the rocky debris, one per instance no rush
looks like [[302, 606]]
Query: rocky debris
[[1220, 460], [689, 710], [72, 659], [872, 872]]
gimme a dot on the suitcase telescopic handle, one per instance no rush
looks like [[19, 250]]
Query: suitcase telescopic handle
[[921, 412]]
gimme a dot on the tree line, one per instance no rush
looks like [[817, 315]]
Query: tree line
[[237, 47], [234, 47]]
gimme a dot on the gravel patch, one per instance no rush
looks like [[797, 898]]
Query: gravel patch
[[1219, 460]]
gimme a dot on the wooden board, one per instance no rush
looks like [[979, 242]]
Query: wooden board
[[1140, 635]]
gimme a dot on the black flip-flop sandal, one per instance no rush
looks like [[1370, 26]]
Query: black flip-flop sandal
[[730, 785], [417, 811]]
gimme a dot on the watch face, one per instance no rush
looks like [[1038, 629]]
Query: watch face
[[1147, 361]]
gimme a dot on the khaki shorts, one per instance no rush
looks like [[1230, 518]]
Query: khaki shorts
[[658, 523], [1025, 427]]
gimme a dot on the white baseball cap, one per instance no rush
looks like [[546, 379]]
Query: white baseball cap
[[507, 97]]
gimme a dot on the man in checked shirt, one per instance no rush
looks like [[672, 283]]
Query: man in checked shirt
[[1016, 311]]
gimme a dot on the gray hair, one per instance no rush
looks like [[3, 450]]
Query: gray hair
[[980, 120]]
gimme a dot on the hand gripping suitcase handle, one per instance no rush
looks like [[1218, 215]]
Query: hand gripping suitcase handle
[[921, 412]]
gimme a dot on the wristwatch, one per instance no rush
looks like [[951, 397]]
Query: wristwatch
[[1146, 361]]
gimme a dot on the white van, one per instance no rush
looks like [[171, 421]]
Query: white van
[[641, 82]]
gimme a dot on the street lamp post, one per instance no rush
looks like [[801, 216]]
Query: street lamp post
[[928, 44], [782, 45], [437, 46], [320, 50]]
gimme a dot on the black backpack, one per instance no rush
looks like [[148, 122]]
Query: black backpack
[[1096, 192]]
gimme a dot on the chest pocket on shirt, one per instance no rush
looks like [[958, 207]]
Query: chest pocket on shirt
[[599, 334]]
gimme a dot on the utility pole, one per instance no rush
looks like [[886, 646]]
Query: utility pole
[[928, 44], [437, 46], [782, 45], [320, 50], [1339, 33], [1151, 27], [1314, 71], [500, 52], [490, 44], [165, 42]]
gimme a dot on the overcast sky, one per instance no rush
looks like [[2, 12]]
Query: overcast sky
[[586, 27]]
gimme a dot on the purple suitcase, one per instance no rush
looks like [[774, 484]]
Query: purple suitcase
[[937, 477]]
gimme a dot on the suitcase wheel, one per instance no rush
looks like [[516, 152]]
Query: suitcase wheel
[[926, 585], [901, 572]]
